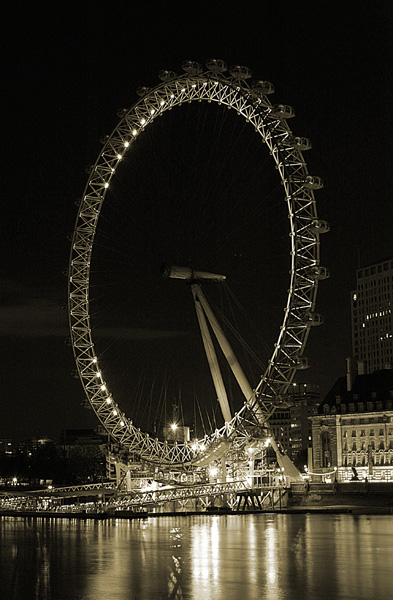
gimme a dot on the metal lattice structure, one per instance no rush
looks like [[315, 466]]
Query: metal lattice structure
[[236, 90]]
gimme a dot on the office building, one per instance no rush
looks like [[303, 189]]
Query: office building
[[372, 318], [291, 426]]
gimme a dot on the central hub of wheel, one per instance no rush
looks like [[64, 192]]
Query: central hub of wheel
[[188, 274]]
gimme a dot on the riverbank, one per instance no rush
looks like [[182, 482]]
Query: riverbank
[[366, 498], [128, 515]]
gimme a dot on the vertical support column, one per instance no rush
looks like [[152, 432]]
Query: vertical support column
[[225, 346], [211, 356]]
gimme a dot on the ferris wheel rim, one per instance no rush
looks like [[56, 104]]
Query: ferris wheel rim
[[270, 121]]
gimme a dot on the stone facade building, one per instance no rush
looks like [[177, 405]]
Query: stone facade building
[[353, 431]]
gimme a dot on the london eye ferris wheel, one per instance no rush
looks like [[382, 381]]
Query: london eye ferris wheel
[[210, 190]]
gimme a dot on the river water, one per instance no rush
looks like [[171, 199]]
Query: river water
[[207, 557]]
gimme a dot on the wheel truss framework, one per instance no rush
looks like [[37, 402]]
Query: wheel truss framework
[[250, 100]]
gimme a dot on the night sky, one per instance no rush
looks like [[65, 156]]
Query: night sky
[[68, 68]]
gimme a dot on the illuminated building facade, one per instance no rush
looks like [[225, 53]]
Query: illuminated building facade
[[372, 318], [353, 430]]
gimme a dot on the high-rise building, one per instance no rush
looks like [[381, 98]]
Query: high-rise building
[[291, 426], [372, 318]]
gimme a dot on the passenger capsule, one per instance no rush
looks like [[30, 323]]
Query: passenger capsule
[[319, 226], [301, 363], [263, 87], [312, 182], [216, 65], [142, 90], [240, 72], [317, 272], [192, 67], [313, 319], [282, 401], [167, 75], [283, 111], [300, 143]]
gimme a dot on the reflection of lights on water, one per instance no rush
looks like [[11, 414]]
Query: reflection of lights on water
[[176, 536], [174, 568], [215, 537], [253, 553], [205, 552], [271, 558]]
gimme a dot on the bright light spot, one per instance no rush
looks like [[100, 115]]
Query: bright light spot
[[119, 157], [122, 423], [173, 426], [213, 471], [114, 413], [194, 85], [152, 111], [106, 185], [108, 400], [95, 359], [194, 447], [98, 374], [143, 121], [183, 89], [172, 96], [202, 447], [126, 144], [103, 387], [50, 487], [162, 102], [268, 442]]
